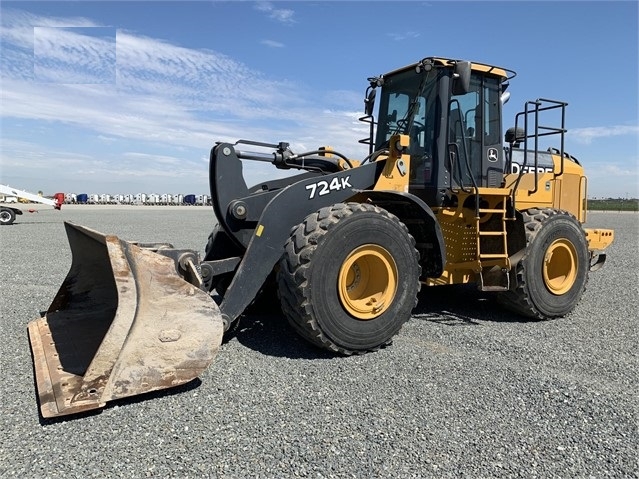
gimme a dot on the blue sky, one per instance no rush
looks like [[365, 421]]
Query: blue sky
[[127, 97]]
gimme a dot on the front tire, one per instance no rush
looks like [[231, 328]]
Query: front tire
[[552, 275], [7, 216], [349, 278]]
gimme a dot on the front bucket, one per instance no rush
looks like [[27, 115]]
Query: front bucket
[[123, 323]]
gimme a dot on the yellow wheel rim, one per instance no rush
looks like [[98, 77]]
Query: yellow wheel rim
[[560, 266], [367, 281]]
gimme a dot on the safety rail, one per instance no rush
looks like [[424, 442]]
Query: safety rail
[[539, 105]]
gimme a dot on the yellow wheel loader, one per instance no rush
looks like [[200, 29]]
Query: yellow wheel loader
[[347, 244]]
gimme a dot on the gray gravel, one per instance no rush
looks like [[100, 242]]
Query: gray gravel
[[466, 390]]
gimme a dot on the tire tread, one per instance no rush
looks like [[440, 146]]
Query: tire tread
[[519, 300], [294, 271]]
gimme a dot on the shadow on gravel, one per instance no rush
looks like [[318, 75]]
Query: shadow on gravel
[[268, 334], [455, 305], [462, 305], [271, 335], [190, 386], [26, 224]]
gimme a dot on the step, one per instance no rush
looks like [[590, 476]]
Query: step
[[494, 288], [503, 278], [492, 210], [492, 256]]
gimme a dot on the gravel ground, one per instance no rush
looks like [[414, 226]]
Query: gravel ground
[[466, 390]]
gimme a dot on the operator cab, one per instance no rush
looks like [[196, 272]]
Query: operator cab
[[451, 110]]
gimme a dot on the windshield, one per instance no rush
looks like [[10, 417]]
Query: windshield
[[407, 100]]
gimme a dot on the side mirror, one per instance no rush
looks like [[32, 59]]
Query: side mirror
[[461, 78], [514, 136], [369, 101]]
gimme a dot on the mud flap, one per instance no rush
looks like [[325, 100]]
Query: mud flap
[[123, 323]]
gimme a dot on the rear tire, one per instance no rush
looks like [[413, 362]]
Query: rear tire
[[349, 278], [552, 275], [7, 216]]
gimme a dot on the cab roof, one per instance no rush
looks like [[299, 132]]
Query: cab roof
[[504, 73]]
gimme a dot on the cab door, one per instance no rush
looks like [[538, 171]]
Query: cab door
[[476, 156]]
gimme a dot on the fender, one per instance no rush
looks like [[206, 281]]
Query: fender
[[422, 225]]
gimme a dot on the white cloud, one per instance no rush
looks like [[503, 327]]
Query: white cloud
[[399, 36], [163, 92], [272, 43], [587, 135], [613, 170], [74, 55], [616, 170], [17, 34], [157, 159], [18, 26], [32, 166], [164, 97], [37, 160], [280, 14]]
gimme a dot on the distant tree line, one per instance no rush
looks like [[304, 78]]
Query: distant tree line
[[614, 204]]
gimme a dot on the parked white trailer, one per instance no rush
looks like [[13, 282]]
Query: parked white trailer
[[152, 199], [8, 214]]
